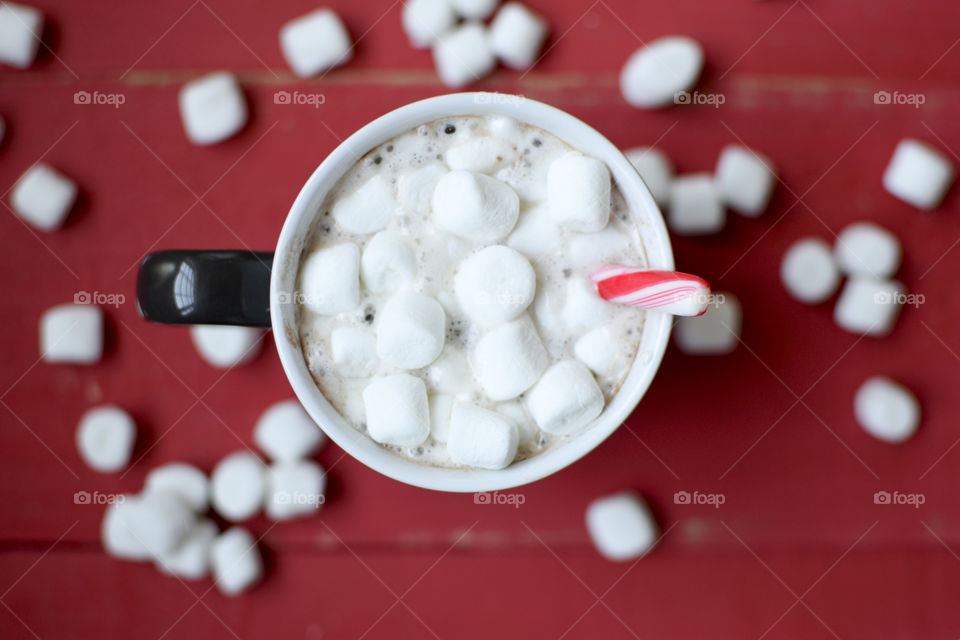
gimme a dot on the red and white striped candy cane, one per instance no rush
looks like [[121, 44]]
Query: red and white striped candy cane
[[671, 292]]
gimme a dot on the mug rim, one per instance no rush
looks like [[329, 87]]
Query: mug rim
[[283, 307]]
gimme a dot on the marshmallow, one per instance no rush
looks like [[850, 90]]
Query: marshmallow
[[536, 233], [415, 189], [286, 433], [212, 108], [475, 9], [190, 560], [43, 196], [475, 206], [410, 331], [745, 180], [184, 481], [387, 263], [514, 412], [330, 279], [655, 169], [235, 561], [695, 205], [20, 30], [886, 410], [509, 359], [621, 526], [601, 352], [115, 534], [105, 438], [463, 55], [565, 399], [450, 373], [578, 192], [655, 73], [368, 209], [866, 249], [809, 272], [494, 285], [441, 404], [315, 42], [716, 332], [481, 438], [868, 305], [146, 526], [517, 35], [595, 249], [238, 486], [528, 182], [426, 20], [354, 352], [295, 489], [918, 174], [226, 346], [72, 333], [482, 154], [582, 308], [397, 410]]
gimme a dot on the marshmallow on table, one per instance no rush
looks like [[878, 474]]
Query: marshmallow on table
[[867, 249], [745, 180], [397, 409], [474, 9], [43, 197], [387, 263], [286, 433], [481, 438], [238, 486], [463, 55], [536, 233], [354, 352], [72, 333], [368, 209], [695, 205], [226, 346], [886, 410], [105, 438], [474, 206], [411, 330], [330, 279], [517, 35], [441, 404], [582, 308], [655, 169], [594, 249], [870, 306], [509, 359], [918, 174], [235, 561], [116, 536], [183, 480], [415, 189], [601, 352], [296, 489], [578, 192], [655, 73], [426, 20], [715, 332], [315, 42], [190, 560], [565, 399], [140, 527], [20, 30], [212, 108], [494, 285], [482, 154], [621, 526], [809, 271]]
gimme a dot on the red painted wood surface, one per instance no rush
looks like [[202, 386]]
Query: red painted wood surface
[[798, 549]]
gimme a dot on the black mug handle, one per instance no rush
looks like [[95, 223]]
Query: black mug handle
[[206, 287]]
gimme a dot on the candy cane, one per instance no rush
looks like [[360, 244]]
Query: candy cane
[[671, 292]]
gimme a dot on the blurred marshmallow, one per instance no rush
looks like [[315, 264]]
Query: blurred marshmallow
[[481, 438], [115, 534], [475, 9], [695, 205], [601, 352], [482, 154], [238, 486], [565, 399], [867, 249], [809, 271], [296, 489], [621, 526], [284, 432], [105, 438], [226, 346], [536, 233], [517, 35], [139, 527], [886, 410], [21, 28], [387, 263], [354, 352], [745, 180], [315, 42], [656, 170], [655, 73], [595, 249], [582, 308], [190, 560], [578, 192], [716, 332], [463, 55], [397, 410], [870, 306], [475, 206], [330, 279], [426, 20], [918, 174], [415, 189], [43, 196], [441, 404], [235, 561], [72, 333], [182, 480], [509, 359], [212, 108], [366, 210], [494, 285], [411, 329]]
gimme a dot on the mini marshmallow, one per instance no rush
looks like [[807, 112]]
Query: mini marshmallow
[[387, 263], [481, 438], [426, 20], [354, 352], [621, 526], [482, 154], [284, 432], [870, 306], [463, 55], [238, 485], [601, 352], [745, 180], [578, 192], [366, 210], [330, 279], [72, 333], [315, 42], [528, 182], [867, 249], [190, 560], [918, 174], [695, 205], [43, 196], [397, 410], [809, 271], [886, 410], [235, 561], [517, 35], [509, 359], [105, 438], [139, 527], [514, 412], [450, 373], [582, 308], [183, 480], [494, 285], [115, 534], [410, 332], [536, 233], [212, 108], [655, 73], [415, 189], [655, 169], [226, 346], [596, 249], [716, 332], [474, 206], [441, 404], [475, 9], [20, 30], [296, 489], [565, 399]]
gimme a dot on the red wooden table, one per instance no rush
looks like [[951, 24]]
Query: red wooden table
[[797, 549]]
